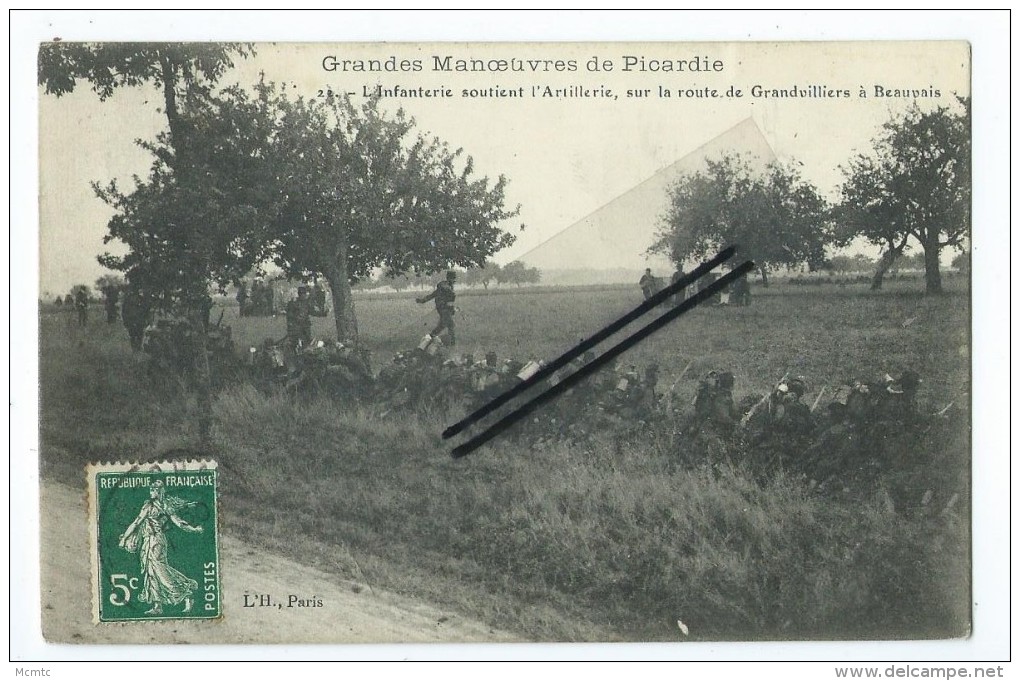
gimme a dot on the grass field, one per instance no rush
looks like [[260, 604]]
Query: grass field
[[594, 543]]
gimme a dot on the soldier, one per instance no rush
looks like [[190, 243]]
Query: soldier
[[741, 292], [682, 295], [713, 406], [707, 280], [81, 305], [319, 299], [257, 299], [136, 314], [203, 304], [647, 283], [897, 402], [789, 424], [110, 296], [242, 299], [444, 297], [299, 322], [59, 302], [710, 430], [270, 364], [796, 415], [68, 301]]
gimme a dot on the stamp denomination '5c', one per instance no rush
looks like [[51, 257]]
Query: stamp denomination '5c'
[[153, 536]]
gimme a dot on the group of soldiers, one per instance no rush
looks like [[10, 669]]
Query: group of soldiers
[[737, 293], [78, 301], [257, 303], [260, 301], [866, 428]]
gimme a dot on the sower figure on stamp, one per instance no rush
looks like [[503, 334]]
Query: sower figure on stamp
[[161, 584], [444, 297]]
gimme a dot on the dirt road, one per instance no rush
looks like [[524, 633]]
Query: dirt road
[[349, 614]]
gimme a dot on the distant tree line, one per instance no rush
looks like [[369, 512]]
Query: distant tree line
[[913, 188], [516, 273]]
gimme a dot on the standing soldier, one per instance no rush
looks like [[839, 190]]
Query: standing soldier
[[257, 296], [444, 297], [299, 321], [682, 295], [647, 283], [81, 305], [741, 291], [110, 296], [135, 312], [319, 299], [242, 299]]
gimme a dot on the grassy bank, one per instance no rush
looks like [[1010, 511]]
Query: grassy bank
[[595, 543]]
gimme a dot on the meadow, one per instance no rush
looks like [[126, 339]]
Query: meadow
[[602, 542]]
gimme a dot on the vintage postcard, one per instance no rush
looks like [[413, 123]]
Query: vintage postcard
[[505, 342]]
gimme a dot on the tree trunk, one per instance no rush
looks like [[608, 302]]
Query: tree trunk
[[764, 277], [180, 165], [203, 376], [343, 303], [885, 262], [932, 273]]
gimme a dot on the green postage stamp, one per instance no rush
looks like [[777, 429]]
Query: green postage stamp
[[153, 534]]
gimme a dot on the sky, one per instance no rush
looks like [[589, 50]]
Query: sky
[[564, 157]]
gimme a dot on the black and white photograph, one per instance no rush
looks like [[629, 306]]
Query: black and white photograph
[[588, 342]]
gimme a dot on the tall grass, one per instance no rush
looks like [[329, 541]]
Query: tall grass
[[612, 540], [631, 541]]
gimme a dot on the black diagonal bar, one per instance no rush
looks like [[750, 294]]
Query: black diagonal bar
[[597, 363], [588, 343]]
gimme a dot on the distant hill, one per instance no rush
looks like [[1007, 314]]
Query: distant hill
[[616, 236]]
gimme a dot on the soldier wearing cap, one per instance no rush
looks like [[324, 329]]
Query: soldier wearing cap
[[898, 401], [740, 293], [136, 313], [647, 284], [242, 299], [681, 296], [111, 294], [299, 322], [81, 304], [713, 405], [788, 414], [444, 297]]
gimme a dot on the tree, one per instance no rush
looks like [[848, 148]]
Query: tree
[[862, 263], [358, 190], [398, 282], [81, 287], [483, 274], [961, 263], [913, 261], [915, 184], [518, 273], [177, 255], [189, 229], [109, 281], [774, 216]]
